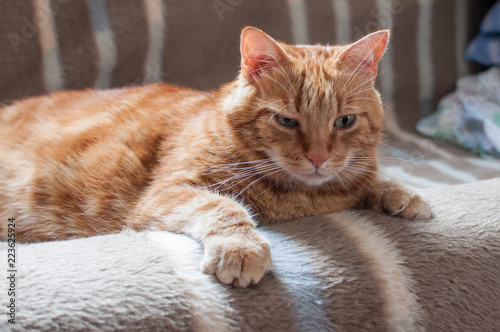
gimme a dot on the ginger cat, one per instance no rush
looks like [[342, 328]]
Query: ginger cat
[[294, 135]]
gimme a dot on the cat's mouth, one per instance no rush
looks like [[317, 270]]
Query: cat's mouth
[[304, 174], [315, 178]]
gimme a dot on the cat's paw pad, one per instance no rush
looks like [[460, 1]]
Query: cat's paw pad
[[241, 260], [398, 202]]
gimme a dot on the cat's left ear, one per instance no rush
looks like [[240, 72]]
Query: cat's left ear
[[259, 52], [364, 55]]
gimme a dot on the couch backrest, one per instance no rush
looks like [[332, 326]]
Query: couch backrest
[[48, 45]]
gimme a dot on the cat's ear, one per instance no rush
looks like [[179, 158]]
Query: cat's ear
[[259, 52], [364, 55]]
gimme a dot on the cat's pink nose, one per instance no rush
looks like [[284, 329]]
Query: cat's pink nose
[[317, 159]]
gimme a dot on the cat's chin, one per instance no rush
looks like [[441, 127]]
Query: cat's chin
[[314, 179]]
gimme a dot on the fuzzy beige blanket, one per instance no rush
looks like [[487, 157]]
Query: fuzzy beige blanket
[[349, 271]]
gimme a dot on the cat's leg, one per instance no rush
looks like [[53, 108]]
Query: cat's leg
[[397, 200], [234, 250]]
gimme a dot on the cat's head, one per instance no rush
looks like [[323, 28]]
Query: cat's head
[[313, 110]]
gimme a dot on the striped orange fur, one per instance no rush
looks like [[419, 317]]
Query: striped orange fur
[[294, 135]]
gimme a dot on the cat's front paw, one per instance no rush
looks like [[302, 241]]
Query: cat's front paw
[[239, 259], [404, 204]]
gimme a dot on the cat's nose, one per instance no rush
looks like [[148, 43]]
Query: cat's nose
[[317, 159]]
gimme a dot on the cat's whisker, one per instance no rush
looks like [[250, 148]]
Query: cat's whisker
[[274, 114], [361, 171], [249, 171], [265, 160], [245, 178], [357, 164], [397, 151], [357, 172], [361, 167], [354, 179], [258, 179], [388, 146], [347, 176], [235, 165], [277, 180], [360, 85], [357, 93], [266, 104], [385, 144], [341, 181], [390, 159], [234, 177], [272, 117], [245, 175]]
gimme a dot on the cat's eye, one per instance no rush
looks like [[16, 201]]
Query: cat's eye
[[345, 121], [287, 122]]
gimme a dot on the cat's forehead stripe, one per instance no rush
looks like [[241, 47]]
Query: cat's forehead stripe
[[318, 92]]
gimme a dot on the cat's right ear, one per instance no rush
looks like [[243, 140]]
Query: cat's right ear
[[259, 52], [364, 55]]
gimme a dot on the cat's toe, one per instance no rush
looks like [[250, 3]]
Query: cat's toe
[[398, 202], [417, 209], [237, 260], [229, 269], [254, 269], [394, 201]]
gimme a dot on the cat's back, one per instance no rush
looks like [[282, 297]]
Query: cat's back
[[86, 154], [47, 118]]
